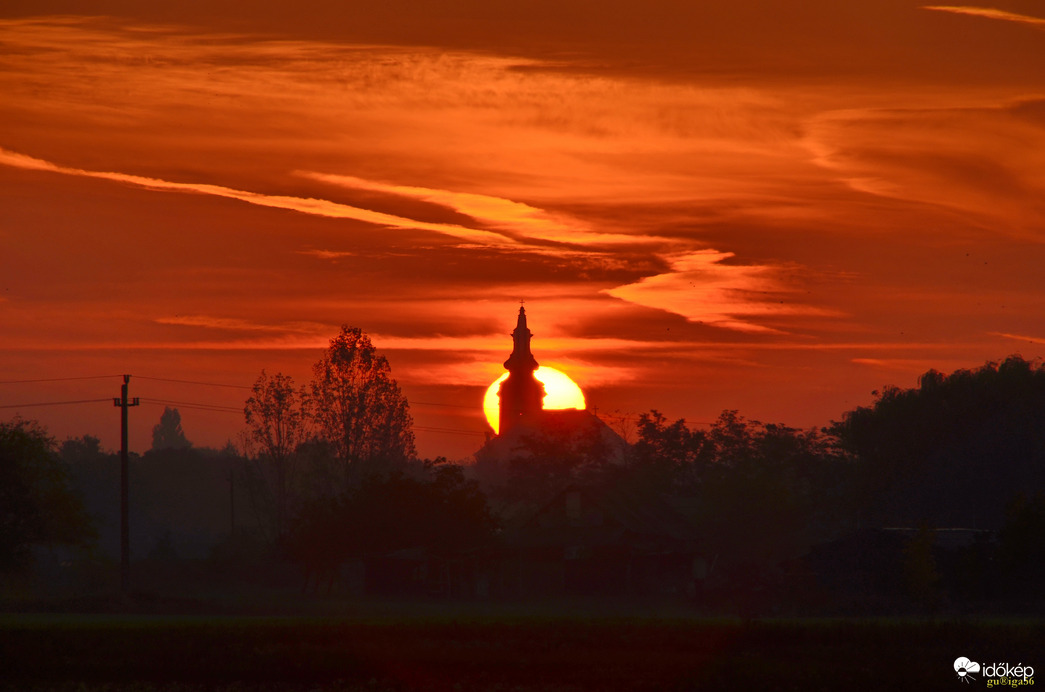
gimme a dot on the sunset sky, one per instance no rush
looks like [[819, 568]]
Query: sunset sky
[[763, 205]]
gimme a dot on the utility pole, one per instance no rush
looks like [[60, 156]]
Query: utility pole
[[232, 504], [125, 532]]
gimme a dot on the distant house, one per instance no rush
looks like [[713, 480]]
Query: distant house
[[589, 540], [424, 572], [865, 569]]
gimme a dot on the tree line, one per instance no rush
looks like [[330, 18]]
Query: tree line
[[330, 473]]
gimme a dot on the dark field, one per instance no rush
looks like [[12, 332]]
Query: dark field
[[427, 651]]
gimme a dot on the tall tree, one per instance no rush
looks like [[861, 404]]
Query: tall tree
[[670, 456], [36, 502], [79, 449], [167, 434], [358, 408], [275, 428], [763, 491], [954, 450]]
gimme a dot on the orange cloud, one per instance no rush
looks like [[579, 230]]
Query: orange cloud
[[868, 169], [1022, 337], [505, 214], [327, 254], [911, 365], [989, 13], [238, 324], [318, 207], [703, 288], [984, 160]]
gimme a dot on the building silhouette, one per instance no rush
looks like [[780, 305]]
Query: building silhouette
[[521, 394], [525, 425]]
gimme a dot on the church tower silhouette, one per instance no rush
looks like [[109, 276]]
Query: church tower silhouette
[[523, 419], [521, 394]]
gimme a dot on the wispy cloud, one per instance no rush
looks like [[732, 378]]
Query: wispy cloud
[[900, 364], [304, 205], [981, 160], [703, 287], [238, 324], [498, 212], [1022, 337], [327, 254], [989, 13], [528, 224]]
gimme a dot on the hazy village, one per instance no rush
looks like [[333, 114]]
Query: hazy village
[[928, 502]]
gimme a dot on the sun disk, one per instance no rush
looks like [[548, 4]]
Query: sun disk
[[562, 392]]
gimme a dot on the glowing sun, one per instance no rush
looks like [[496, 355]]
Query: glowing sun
[[562, 392]]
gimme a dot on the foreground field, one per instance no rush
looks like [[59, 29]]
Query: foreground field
[[503, 652]]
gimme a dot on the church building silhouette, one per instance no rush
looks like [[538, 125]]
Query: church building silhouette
[[523, 420]]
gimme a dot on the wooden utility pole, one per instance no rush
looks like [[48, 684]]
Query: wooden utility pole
[[125, 532], [232, 504]]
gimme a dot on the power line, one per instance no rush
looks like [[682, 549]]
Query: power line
[[205, 384], [60, 379], [190, 404], [430, 403], [140, 377], [55, 403], [450, 431]]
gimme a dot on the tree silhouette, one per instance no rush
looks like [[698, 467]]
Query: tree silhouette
[[36, 503], [1021, 551], [358, 408], [275, 428], [435, 507], [80, 449], [761, 492], [167, 434], [669, 456], [954, 450]]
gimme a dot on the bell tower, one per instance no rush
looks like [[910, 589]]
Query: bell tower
[[521, 394]]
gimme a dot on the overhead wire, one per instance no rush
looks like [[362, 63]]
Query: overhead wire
[[60, 379], [55, 403], [192, 404], [451, 431], [432, 403], [205, 384], [229, 409]]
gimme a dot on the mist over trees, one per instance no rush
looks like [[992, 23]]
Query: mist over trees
[[929, 495], [753, 492], [764, 492]]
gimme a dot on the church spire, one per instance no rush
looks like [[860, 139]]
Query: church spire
[[521, 394], [521, 359]]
